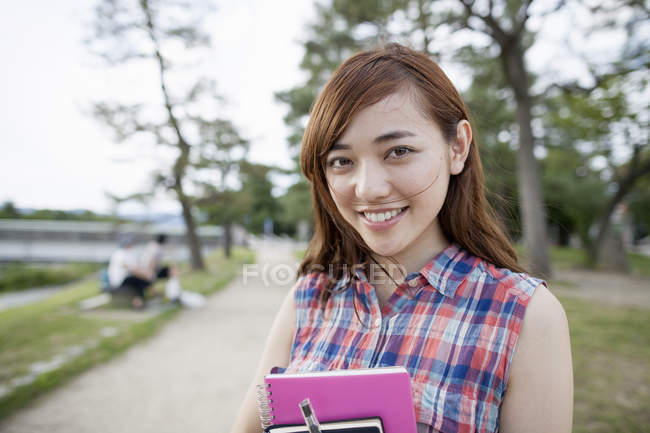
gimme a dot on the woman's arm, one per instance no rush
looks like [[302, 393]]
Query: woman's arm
[[276, 353], [539, 395]]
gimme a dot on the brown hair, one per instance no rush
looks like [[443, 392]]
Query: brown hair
[[364, 79]]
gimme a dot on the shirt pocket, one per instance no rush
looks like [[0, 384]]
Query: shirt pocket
[[445, 409]]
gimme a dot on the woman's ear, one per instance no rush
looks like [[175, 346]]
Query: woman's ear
[[459, 147]]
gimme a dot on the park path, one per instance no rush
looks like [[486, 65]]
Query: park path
[[607, 287], [190, 377]]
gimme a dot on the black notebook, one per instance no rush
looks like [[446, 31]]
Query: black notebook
[[366, 425]]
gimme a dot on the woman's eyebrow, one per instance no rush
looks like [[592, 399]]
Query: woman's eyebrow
[[393, 135], [389, 136]]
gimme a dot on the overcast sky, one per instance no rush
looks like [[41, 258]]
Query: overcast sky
[[56, 155]]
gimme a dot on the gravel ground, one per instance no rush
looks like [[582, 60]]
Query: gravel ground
[[190, 377]]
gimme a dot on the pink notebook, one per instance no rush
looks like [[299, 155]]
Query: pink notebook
[[341, 394]]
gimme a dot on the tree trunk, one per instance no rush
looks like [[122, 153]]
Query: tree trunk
[[182, 144], [193, 241], [563, 236], [528, 173], [625, 185], [611, 254]]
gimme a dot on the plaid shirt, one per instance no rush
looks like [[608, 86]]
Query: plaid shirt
[[454, 328]]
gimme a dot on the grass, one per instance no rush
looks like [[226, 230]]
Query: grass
[[639, 264], [574, 258], [17, 276], [611, 366], [41, 331]]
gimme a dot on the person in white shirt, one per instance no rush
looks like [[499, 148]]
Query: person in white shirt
[[124, 271], [151, 258]]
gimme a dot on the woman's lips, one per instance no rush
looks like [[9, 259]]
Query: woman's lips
[[383, 225]]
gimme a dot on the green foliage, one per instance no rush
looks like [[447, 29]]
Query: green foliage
[[296, 207], [249, 205], [493, 113], [639, 207], [584, 168], [574, 194], [258, 186], [8, 210], [17, 276]]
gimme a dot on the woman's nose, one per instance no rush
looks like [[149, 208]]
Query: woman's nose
[[371, 183]]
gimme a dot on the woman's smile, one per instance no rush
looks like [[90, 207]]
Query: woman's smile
[[382, 219]]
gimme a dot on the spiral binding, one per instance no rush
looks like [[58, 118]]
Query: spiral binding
[[264, 406]]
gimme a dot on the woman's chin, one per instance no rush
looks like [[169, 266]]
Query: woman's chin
[[385, 249]]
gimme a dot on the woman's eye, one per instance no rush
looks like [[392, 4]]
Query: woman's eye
[[400, 152], [338, 162]]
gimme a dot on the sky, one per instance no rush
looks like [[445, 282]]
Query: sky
[[56, 155]]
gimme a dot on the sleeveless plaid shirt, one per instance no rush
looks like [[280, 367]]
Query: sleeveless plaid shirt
[[453, 325]]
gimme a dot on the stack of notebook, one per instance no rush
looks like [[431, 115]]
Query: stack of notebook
[[374, 400]]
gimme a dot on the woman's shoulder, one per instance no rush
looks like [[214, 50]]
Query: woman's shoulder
[[309, 286], [506, 282]]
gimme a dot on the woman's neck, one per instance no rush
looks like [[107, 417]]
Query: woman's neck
[[414, 258], [411, 259]]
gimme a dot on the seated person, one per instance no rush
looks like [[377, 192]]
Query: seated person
[[123, 271], [152, 258]]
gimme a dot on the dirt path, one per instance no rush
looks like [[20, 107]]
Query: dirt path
[[608, 287], [191, 377]]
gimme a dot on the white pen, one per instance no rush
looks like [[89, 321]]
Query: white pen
[[310, 417]]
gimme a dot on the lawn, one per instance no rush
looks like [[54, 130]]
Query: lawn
[[611, 366], [41, 332], [17, 276]]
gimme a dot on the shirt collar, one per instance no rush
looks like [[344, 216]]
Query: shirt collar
[[445, 272], [448, 269]]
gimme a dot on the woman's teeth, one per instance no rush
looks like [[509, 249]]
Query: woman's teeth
[[384, 216]]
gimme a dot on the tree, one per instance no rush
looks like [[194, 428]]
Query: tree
[[250, 203], [222, 155], [295, 207], [606, 121], [150, 30], [8, 210], [603, 127]]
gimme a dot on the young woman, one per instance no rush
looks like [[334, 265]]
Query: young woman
[[407, 265]]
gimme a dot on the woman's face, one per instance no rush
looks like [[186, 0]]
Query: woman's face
[[388, 176]]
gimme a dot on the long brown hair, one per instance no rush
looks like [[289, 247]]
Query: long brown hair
[[364, 79]]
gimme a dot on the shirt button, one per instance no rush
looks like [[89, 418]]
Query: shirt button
[[378, 321], [413, 282]]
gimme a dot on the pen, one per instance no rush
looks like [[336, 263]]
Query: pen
[[309, 416]]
